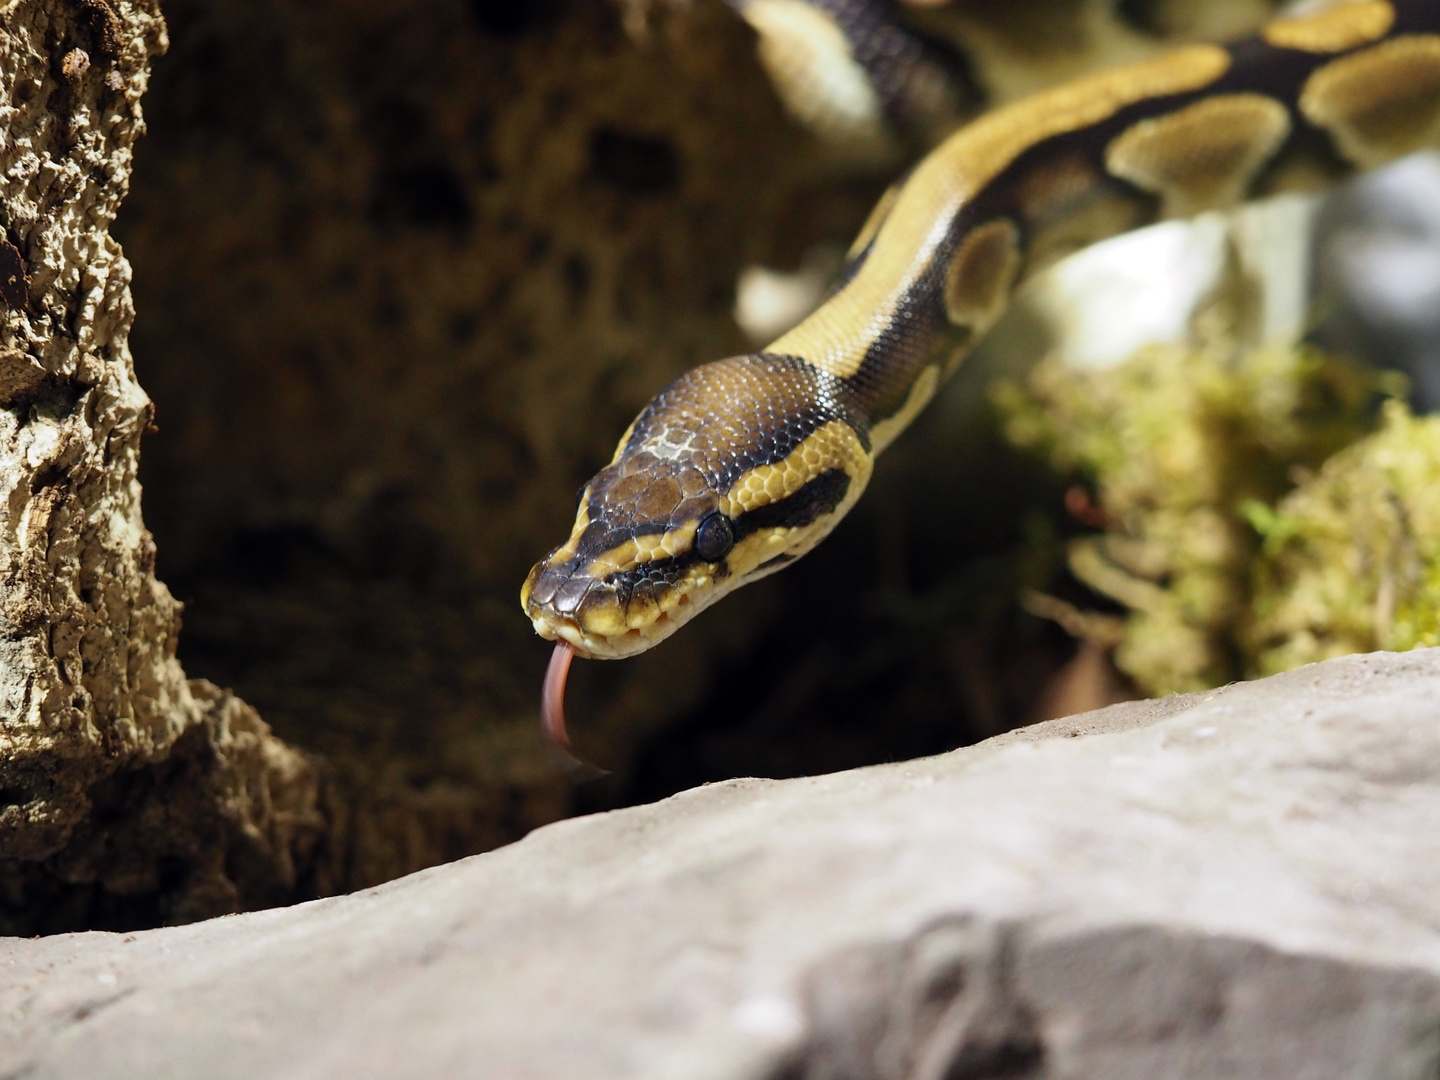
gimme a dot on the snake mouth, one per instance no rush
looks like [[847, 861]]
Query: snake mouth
[[606, 646], [600, 619], [590, 646], [627, 612]]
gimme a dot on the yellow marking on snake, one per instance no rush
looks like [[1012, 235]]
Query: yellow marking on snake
[[873, 221], [1337, 30], [643, 549], [813, 69], [837, 336], [829, 445], [582, 518], [620, 446], [1203, 156], [921, 391], [835, 445], [1381, 103], [980, 276]]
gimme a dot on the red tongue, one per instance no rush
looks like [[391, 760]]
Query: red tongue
[[552, 697], [552, 712]]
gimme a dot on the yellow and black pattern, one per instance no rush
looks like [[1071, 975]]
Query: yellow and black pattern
[[741, 466], [853, 75]]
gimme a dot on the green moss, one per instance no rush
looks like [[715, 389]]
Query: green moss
[[1351, 561], [1187, 451]]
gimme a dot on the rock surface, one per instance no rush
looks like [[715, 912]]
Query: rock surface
[[1239, 883]]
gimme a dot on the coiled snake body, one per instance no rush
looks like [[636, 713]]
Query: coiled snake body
[[740, 466]]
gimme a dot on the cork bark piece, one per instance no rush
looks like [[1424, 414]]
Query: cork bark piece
[[128, 795]]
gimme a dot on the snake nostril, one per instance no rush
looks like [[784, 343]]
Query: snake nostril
[[547, 583], [568, 596]]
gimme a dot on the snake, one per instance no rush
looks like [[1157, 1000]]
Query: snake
[[741, 466]]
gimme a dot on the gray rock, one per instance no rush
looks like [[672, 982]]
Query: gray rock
[[1241, 884]]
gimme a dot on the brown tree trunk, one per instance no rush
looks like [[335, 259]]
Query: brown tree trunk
[[127, 793]]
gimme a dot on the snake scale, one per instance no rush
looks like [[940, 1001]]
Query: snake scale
[[741, 466]]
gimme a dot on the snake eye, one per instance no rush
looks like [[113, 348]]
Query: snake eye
[[714, 538]]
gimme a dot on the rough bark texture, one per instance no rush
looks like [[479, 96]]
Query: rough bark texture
[[1237, 884], [127, 792]]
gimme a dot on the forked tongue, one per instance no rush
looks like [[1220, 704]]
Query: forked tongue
[[552, 714]]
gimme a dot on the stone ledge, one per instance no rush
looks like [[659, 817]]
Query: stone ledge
[[1241, 883]]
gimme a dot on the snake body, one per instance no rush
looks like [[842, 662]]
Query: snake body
[[740, 466]]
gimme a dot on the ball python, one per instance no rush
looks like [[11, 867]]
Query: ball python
[[741, 466]]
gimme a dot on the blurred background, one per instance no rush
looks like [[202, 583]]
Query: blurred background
[[405, 271]]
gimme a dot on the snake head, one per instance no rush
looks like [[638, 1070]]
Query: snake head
[[733, 470]]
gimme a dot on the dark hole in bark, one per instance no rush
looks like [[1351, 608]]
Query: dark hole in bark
[[14, 284], [510, 18], [576, 272], [429, 196], [636, 164]]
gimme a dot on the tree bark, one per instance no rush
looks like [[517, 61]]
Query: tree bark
[[127, 793]]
